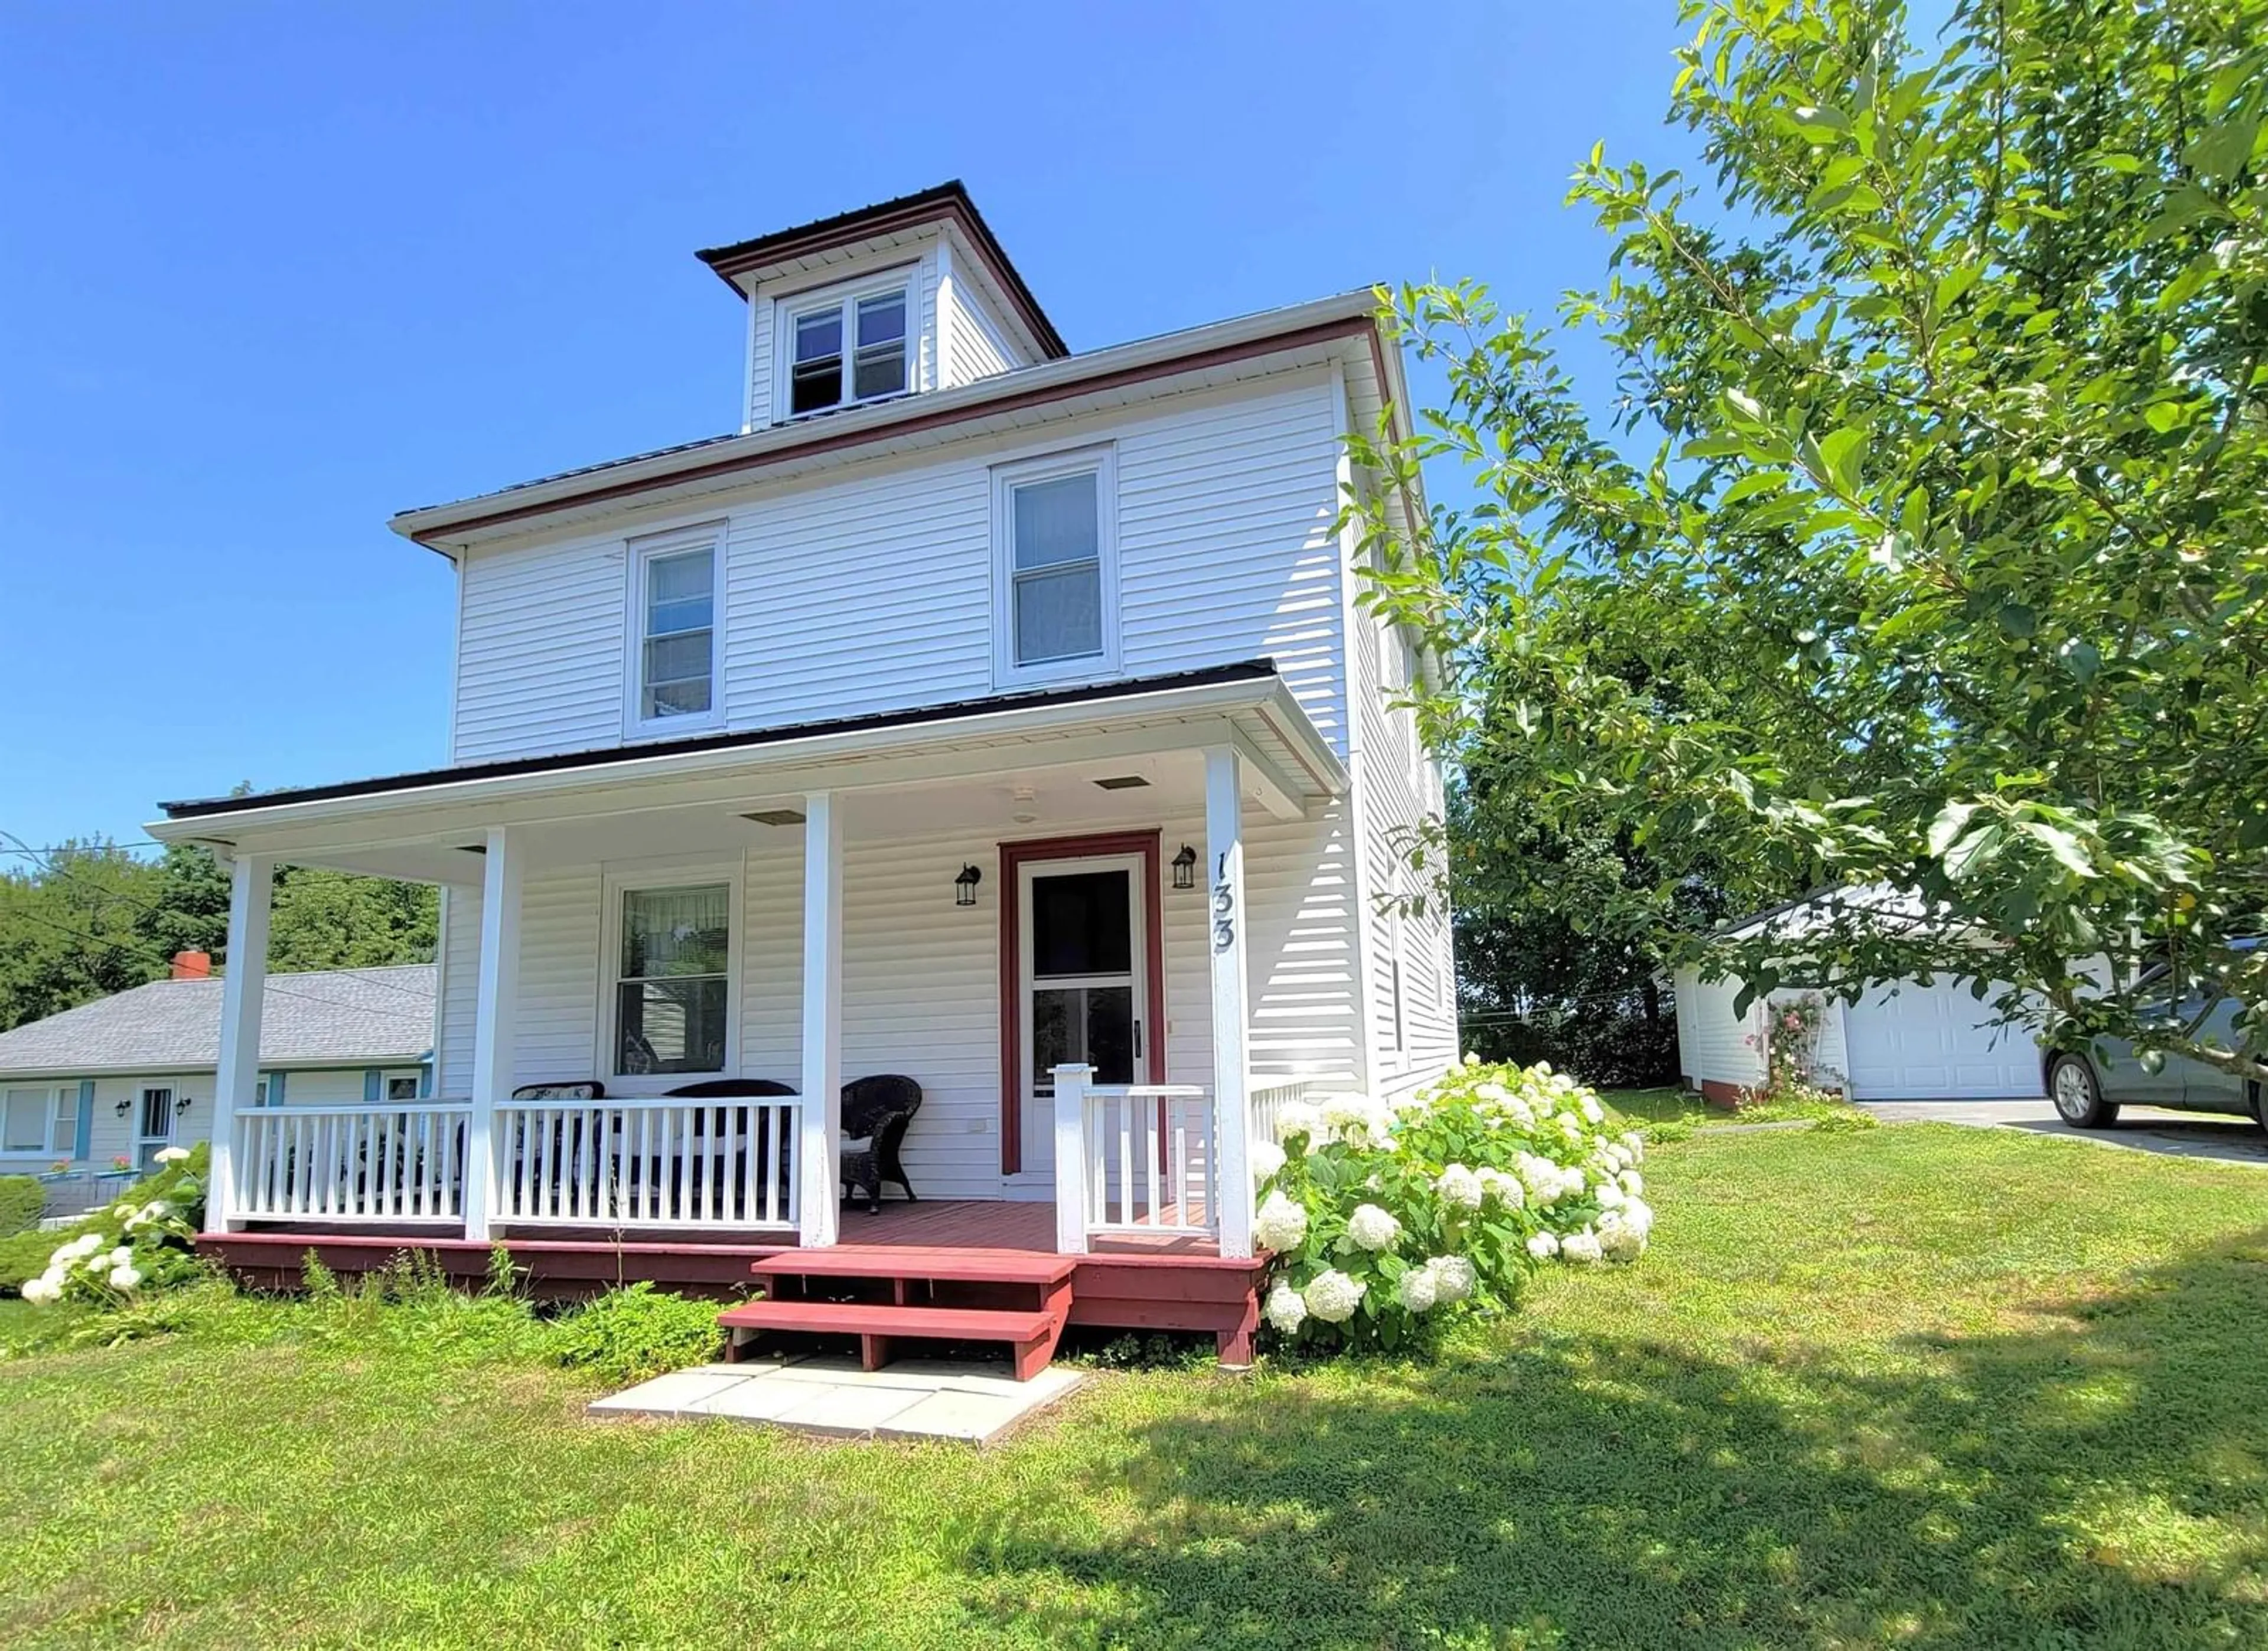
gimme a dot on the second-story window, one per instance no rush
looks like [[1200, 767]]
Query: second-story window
[[674, 615], [852, 348], [1056, 572]]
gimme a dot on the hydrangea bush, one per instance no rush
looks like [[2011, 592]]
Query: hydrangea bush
[[1387, 1221], [140, 1243]]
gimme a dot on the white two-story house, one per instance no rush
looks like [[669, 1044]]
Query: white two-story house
[[977, 712]]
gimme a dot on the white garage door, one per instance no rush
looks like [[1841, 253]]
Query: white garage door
[[1935, 1042]]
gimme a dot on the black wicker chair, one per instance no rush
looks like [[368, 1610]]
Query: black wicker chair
[[876, 1112]]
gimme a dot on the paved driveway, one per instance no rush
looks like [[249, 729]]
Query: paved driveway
[[2143, 1128]]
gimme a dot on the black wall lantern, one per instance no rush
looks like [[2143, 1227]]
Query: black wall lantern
[[964, 886], [1185, 868]]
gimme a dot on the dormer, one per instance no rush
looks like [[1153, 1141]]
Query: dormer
[[908, 295]]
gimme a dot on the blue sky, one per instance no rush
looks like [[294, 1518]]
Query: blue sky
[[269, 273]]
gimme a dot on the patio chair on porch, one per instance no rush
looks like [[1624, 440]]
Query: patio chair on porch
[[876, 1112], [726, 1163]]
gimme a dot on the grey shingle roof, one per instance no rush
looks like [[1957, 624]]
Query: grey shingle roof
[[323, 1017]]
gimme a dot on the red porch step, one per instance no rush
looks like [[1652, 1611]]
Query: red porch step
[[1031, 1335], [1031, 1327]]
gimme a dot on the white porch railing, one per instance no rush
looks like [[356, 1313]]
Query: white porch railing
[[1269, 1100], [1152, 1145], [402, 1163], [661, 1162]]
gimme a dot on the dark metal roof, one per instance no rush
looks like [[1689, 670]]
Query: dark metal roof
[[947, 200], [1211, 676]]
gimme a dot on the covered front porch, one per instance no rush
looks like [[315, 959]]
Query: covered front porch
[[985, 903]]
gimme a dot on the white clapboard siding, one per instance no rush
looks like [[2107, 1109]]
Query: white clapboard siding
[[1393, 792], [555, 1038], [871, 591], [975, 346], [460, 990], [540, 649]]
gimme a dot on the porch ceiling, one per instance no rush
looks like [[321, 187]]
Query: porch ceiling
[[1025, 770]]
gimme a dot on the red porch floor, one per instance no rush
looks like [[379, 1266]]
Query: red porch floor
[[1165, 1281]]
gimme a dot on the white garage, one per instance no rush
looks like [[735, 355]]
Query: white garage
[[1899, 1042]]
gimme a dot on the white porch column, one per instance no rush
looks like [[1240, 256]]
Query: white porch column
[[494, 1036], [822, 1017], [243, 987], [1070, 1158], [1232, 1107]]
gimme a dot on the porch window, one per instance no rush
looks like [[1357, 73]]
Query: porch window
[[38, 1121], [1054, 525], [672, 986], [675, 612], [847, 349]]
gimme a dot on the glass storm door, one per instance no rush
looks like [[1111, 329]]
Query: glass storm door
[[1084, 985], [153, 1125]]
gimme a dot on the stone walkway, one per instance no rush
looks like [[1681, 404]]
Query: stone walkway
[[2225, 1140], [914, 1399]]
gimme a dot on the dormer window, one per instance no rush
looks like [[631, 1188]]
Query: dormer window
[[846, 348]]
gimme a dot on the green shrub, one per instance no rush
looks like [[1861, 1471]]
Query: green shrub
[[21, 1200], [634, 1334], [153, 1222], [1388, 1221]]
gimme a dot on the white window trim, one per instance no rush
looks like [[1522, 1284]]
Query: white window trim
[[53, 1096], [1104, 462], [639, 555], [667, 874], [787, 309], [388, 1078]]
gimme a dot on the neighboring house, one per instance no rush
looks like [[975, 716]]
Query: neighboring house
[[127, 1075], [1901, 1040], [975, 709]]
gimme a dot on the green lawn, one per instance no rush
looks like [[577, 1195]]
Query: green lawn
[[1922, 1386]]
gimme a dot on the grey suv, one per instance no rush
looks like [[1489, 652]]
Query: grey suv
[[2089, 1085]]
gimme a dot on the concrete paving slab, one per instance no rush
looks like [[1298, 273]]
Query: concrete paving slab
[[674, 1394], [760, 1399], [851, 1412], [972, 1417], [928, 1399]]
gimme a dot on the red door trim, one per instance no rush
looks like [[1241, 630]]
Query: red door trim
[[1012, 857]]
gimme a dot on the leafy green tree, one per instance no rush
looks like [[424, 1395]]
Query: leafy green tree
[[1922, 549], [69, 930], [334, 920]]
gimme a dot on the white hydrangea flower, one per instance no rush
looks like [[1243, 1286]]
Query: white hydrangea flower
[[121, 1257], [1416, 1288], [1372, 1226], [121, 1209], [1571, 1127], [1454, 1278], [1543, 1245], [1622, 1232], [124, 1278], [40, 1291], [1608, 1195], [1505, 1189], [1358, 1121], [1281, 1225], [1594, 1114], [1265, 1157], [1285, 1310], [1471, 1060], [1632, 1182], [171, 1154], [1582, 1245], [1332, 1296], [1461, 1187], [1634, 1144], [1297, 1117], [1491, 1090]]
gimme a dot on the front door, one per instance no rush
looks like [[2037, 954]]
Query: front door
[[154, 1125], [1085, 988]]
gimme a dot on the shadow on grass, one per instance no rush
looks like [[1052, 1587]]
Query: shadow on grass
[[2097, 1478]]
